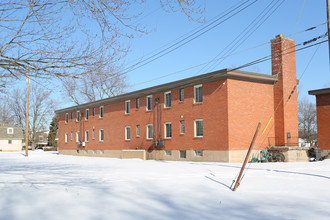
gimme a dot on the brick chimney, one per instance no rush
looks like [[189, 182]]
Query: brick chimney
[[286, 115]]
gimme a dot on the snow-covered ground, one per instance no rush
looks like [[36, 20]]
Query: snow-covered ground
[[46, 185]]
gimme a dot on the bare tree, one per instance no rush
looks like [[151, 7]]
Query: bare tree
[[56, 38], [6, 114], [307, 120], [40, 113]]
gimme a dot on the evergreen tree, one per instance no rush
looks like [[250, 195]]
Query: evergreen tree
[[53, 132]]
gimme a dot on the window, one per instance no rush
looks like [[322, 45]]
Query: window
[[138, 130], [87, 114], [77, 137], [41, 138], [199, 128], [10, 131], [199, 153], [168, 153], [137, 103], [149, 102], [183, 154], [71, 116], [167, 99], [93, 134], [101, 135], [127, 133], [101, 111], [93, 111], [71, 136], [66, 137], [198, 94], [10, 141], [181, 95], [168, 130], [78, 115], [66, 118], [128, 107], [149, 131], [182, 127], [86, 136]]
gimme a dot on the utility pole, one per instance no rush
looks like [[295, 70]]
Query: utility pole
[[246, 159], [27, 113], [328, 16]]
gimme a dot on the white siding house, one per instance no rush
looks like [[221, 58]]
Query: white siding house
[[10, 137]]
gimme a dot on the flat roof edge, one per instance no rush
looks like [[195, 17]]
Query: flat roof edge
[[204, 78], [319, 91]]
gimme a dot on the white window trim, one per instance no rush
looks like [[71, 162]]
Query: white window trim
[[66, 118], [138, 130], [137, 102], [197, 86], [181, 89], [127, 101], [165, 130], [127, 139], [77, 136], [101, 115], [165, 93], [78, 116], [195, 128], [148, 132], [181, 127], [147, 102], [100, 135], [86, 136], [10, 130], [66, 137], [87, 114]]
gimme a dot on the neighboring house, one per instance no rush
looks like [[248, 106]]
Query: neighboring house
[[210, 117], [41, 138], [303, 143], [10, 137], [323, 117]]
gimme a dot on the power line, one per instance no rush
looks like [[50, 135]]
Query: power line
[[260, 60], [186, 39], [246, 33]]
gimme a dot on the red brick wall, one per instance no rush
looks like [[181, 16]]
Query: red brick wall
[[213, 111], [323, 121], [286, 115], [248, 104]]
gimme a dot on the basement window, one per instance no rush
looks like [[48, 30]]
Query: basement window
[[199, 153], [183, 154], [10, 141], [168, 153]]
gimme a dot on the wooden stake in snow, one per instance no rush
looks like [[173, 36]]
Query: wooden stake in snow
[[246, 159]]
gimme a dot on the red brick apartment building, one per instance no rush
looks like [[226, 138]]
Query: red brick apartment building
[[323, 117], [210, 117]]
